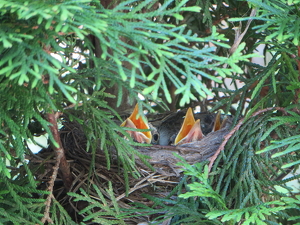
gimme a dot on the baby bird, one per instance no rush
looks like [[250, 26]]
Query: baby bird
[[136, 121], [191, 131]]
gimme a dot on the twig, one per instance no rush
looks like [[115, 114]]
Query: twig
[[61, 163], [231, 133], [46, 216], [297, 60], [64, 165], [238, 35], [150, 179], [297, 92], [73, 106]]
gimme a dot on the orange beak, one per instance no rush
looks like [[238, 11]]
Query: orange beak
[[190, 130], [217, 125], [136, 121]]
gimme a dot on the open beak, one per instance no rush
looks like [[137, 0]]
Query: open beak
[[138, 122], [190, 130], [218, 125]]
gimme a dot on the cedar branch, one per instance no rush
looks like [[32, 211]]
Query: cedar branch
[[231, 133]]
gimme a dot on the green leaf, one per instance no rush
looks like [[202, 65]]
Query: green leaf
[[191, 9]]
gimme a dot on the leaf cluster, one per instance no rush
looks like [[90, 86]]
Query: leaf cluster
[[99, 210], [20, 202]]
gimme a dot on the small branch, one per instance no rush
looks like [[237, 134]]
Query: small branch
[[64, 165], [50, 189], [61, 163], [73, 106], [237, 127], [296, 100], [238, 35]]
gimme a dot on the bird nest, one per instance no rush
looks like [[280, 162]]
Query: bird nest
[[157, 181]]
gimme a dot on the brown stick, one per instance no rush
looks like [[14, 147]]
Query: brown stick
[[238, 35], [297, 92], [61, 163], [64, 165], [46, 216], [231, 133], [298, 61]]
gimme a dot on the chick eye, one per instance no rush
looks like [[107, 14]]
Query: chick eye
[[172, 139], [155, 137]]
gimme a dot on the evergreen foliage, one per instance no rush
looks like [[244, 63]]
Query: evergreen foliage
[[98, 201], [20, 202], [49, 63]]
